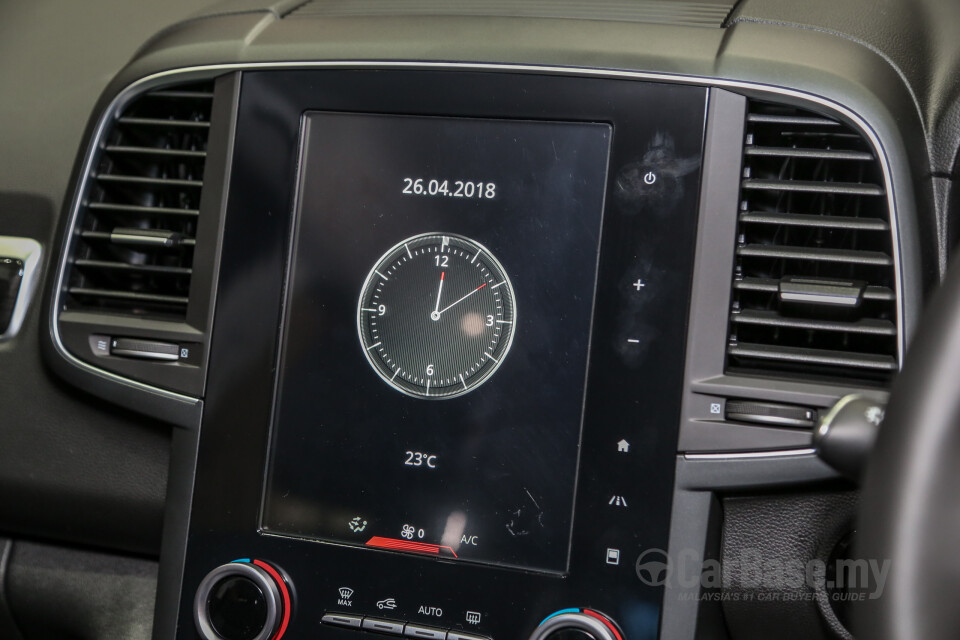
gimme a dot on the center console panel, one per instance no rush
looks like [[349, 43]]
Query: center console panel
[[330, 503]]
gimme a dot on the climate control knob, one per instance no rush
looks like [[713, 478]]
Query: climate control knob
[[243, 600], [576, 624]]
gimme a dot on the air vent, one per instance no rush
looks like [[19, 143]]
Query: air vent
[[814, 288], [137, 226]]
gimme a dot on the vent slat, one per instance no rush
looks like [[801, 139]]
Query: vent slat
[[170, 183], [154, 151], [814, 253], [815, 356], [814, 154], [137, 227], [791, 119], [128, 295], [811, 186], [184, 95], [867, 326], [134, 268], [135, 209], [160, 122], [814, 287], [815, 221]]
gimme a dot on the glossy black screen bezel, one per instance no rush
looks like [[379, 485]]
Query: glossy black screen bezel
[[634, 387]]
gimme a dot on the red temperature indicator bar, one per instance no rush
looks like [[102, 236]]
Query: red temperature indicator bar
[[606, 622], [409, 545]]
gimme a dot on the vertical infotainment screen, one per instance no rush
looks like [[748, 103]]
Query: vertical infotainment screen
[[436, 334]]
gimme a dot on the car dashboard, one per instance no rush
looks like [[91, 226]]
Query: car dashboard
[[464, 322]]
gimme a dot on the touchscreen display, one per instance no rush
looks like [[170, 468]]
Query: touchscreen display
[[435, 343]]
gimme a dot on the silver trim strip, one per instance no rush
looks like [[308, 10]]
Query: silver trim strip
[[28, 251], [201, 72], [750, 455]]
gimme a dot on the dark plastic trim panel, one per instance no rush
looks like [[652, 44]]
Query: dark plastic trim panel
[[762, 469], [176, 524], [696, 519], [176, 408]]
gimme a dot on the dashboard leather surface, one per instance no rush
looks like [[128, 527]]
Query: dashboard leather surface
[[676, 12], [917, 38], [778, 531]]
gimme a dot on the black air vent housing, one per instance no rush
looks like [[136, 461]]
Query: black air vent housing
[[141, 246], [136, 230], [814, 287]]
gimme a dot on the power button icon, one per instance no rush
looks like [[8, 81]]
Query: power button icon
[[649, 177]]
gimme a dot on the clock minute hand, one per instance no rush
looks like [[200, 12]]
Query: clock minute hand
[[435, 314], [463, 298], [439, 291]]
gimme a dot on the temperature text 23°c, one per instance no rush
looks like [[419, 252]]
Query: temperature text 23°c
[[420, 459]]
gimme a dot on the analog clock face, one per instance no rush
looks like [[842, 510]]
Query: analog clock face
[[436, 315]]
